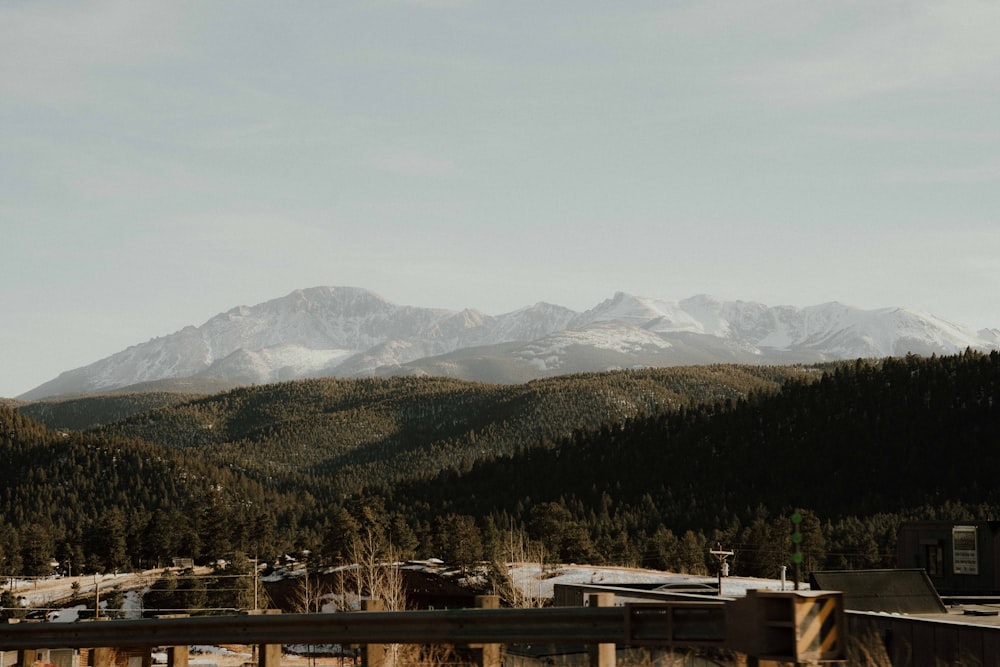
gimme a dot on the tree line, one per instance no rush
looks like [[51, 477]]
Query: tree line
[[616, 468]]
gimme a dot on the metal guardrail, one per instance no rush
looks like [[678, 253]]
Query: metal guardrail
[[781, 626], [638, 624]]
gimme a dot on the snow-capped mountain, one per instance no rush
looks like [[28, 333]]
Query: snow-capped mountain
[[350, 332]]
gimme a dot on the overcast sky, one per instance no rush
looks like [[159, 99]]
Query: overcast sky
[[161, 162]]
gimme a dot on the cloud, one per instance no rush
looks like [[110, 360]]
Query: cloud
[[870, 49], [895, 132], [983, 173], [440, 4], [413, 163], [52, 53]]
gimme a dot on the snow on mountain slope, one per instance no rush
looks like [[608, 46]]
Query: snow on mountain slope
[[846, 332], [347, 331], [307, 333], [533, 322], [548, 354], [653, 314], [989, 336]]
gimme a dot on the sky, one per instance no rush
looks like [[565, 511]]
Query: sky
[[162, 162]]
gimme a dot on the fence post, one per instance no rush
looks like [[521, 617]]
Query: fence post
[[268, 655], [372, 655], [177, 656], [602, 655], [102, 657], [487, 655]]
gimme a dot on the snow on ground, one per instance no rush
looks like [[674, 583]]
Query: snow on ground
[[41, 592], [202, 649], [67, 615], [533, 580], [53, 592], [535, 583]]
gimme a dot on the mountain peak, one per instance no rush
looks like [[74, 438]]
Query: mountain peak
[[352, 331]]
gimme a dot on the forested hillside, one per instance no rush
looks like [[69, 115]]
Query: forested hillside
[[101, 504], [867, 446], [641, 467], [78, 414], [337, 437]]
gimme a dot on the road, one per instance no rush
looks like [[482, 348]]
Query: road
[[53, 592]]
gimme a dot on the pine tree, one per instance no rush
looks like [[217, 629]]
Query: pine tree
[[458, 540], [37, 550]]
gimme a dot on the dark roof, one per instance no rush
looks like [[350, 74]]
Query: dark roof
[[433, 590], [890, 591], [423, 590]]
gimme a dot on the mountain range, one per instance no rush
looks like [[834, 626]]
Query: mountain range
[[353, 332]]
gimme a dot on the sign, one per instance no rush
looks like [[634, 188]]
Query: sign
[[965, 555], [798, 627]]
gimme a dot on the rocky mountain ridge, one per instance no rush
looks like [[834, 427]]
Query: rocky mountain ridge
[[353, 332]]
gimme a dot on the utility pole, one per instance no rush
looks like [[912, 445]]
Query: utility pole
[[256, 572], [723, 565]]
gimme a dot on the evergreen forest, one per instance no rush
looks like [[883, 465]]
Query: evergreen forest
[[648, 467]]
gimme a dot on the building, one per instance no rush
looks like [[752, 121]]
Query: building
[[961, 558]]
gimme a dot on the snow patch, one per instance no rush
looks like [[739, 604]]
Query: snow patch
[[349, 332]]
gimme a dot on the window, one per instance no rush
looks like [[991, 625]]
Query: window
[[934, 559]]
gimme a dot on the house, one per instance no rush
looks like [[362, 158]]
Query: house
[[962, 558]]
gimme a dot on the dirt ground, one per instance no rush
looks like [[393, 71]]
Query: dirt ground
[[237, 656]]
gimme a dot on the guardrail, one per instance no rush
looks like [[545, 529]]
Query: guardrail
[[771, 625], [633, 624]]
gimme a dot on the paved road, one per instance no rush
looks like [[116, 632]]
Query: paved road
[[54, 591]]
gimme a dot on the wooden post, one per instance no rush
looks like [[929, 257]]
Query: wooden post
[[26, 657], [102, 657], [372, 655], [177, 656], [487, 655], [602, 655], [268, 655]]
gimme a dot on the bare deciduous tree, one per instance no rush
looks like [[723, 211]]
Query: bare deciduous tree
[[309, 594], [377, 575], [514, 590]]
